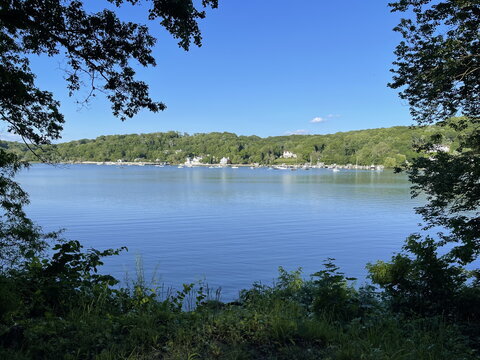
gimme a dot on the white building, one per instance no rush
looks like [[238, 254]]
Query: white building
[[196, 160], [289, 155], [440, 148], [225, 161]]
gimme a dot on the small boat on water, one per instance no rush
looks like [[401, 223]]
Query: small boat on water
[[335, 170], [234, 167], [180, 166]]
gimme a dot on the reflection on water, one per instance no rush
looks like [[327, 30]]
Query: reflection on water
[[230, 226]]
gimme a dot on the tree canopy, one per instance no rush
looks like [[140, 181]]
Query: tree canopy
[[438, 72], [385, 146], [99, 49], [438, 62]]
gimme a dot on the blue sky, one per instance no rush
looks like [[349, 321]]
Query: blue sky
[[267, 67]]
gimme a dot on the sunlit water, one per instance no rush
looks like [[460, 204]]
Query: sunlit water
[[229, 226]]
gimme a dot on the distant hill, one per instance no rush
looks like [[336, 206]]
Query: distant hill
[[387, 146]]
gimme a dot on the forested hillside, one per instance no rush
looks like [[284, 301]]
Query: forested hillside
[[387, 146]]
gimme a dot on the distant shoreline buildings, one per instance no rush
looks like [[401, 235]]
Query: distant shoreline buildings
[[289, 155]]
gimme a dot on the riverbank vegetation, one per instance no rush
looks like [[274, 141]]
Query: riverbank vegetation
[[59, 307], [386, 146]]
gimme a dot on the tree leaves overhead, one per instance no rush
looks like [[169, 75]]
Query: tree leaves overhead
[[30, 112], [438, 63], [99, 48], [179, 17]]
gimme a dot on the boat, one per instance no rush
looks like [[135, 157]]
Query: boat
[[234, 167], [180, 166], [335, 170]]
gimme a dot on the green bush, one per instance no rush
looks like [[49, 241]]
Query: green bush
[[60, 308], [420, 282]]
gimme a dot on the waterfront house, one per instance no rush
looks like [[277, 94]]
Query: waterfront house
[[195, 161], [289, 155], [225, 161]]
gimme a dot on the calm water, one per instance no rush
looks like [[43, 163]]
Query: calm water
[[228, 226]]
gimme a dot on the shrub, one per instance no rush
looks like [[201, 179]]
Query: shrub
[[419, 282]]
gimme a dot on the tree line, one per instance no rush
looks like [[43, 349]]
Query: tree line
[[384, 146]]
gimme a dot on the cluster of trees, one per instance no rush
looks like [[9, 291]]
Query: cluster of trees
[[388, 146]]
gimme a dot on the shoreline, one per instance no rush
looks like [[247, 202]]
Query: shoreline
[[256, 166]]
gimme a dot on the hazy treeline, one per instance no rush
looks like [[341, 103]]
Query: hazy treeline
[[387, 146]]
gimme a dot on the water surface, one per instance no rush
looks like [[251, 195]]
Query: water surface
[[230, 226]]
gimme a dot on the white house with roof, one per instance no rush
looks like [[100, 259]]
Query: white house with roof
[[289, 155], [440, 148], [196, 160]]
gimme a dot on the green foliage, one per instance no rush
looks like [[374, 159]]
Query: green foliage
[[82, 316], [420, 282], [451, 183], [391, 147], [19, 236], [99, 49], [51, 285], [438, 61], [60, 307], [438, 72], [333, 294]]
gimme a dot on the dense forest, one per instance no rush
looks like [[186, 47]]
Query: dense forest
[[385, 146]]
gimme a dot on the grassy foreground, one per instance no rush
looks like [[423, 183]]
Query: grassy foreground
[[60, 308]]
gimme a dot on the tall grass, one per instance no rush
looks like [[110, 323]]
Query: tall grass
[[322, 317]]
